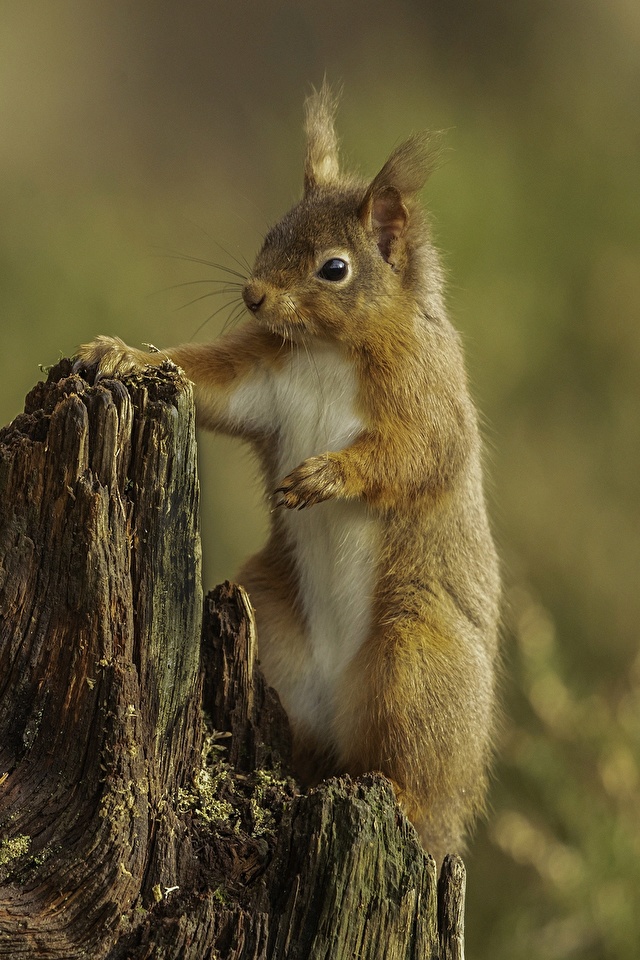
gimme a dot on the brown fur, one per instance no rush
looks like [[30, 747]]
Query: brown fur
[[416, 698]]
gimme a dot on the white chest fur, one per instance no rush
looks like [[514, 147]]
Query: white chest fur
[[309, 403]]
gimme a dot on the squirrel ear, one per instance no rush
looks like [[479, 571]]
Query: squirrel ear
[[321, 163], [384, 214], [383, 210]]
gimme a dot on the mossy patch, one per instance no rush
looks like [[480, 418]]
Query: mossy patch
[[233, 817], [13, 847]]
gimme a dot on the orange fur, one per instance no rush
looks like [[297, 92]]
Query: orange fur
[[376, 595]]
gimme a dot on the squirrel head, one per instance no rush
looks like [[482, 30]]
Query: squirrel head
[[350, 258]]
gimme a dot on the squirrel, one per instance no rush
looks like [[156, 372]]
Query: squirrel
[[377, 594]]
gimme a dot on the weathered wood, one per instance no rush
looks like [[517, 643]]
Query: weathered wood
[[451, 891], [99, 656], [236, 696], [145, 805], [357, 880]]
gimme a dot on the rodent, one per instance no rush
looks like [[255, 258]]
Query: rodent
[[377, 593]]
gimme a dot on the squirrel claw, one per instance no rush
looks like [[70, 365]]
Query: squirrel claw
[[111, 357], [315, 480]]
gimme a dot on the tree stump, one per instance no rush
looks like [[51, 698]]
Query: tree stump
[[146, 804]]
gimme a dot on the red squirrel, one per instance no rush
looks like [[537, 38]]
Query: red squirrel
[[377, 593]]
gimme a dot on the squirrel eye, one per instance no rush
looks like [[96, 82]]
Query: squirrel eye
[[334, 269]]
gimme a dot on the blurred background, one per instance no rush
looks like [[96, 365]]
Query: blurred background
[[139, 141]]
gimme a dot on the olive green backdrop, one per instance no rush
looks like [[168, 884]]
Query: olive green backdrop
[[134, 136]]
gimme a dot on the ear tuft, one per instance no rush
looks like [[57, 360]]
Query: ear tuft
[[321, 164], [409, 166], [383, 210]]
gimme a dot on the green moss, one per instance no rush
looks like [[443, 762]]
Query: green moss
[[14, 847], [220, 895], [265, 783], [204, 796]]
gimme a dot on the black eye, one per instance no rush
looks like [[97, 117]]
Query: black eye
[[334, 269]]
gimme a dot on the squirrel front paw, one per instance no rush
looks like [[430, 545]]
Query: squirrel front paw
[[111, 357], [315, 480]]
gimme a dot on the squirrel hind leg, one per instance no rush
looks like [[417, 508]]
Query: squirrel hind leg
[[404, 711], [438, 835]]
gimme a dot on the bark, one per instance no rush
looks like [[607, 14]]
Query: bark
[[146, 807]]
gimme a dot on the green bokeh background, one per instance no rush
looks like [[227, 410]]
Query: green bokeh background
[[133, 135]]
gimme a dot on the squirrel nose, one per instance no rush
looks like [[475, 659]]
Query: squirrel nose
[[254, 296]]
